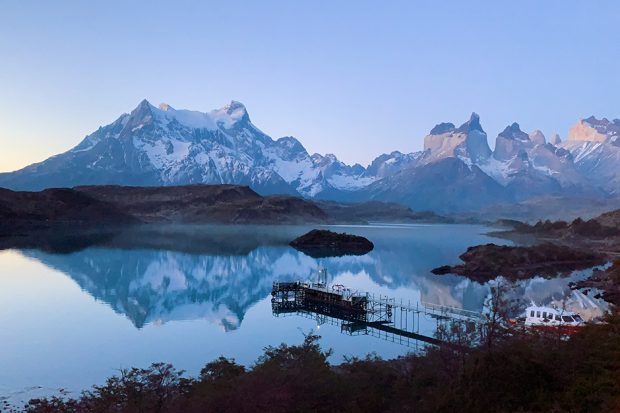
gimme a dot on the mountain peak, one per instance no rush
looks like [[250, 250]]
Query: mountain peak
[[537, 137], [442, 128], [165, 107], [143, 105], [234, 105], [233, 112], [593, 130], [141, 115], [514, 132], [511, 142], [468, 142], [473, 124], [291, 144]]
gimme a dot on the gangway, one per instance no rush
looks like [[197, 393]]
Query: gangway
[[363, 313]]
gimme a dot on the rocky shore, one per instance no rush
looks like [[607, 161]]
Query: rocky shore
[[548, 249], [485, 262], [607, 281]]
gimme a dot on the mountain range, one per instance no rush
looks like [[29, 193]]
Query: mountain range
[[456, 172]]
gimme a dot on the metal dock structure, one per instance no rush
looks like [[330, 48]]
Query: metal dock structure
[[364, 313]]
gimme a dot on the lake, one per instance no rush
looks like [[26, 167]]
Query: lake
[[73, 314]]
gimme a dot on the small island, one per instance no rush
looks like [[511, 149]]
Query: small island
[[485, 262], [320, 243]]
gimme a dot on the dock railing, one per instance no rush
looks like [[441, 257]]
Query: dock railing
[[439, 310]]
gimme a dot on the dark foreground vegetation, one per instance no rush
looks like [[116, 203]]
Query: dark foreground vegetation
[[508, 372]]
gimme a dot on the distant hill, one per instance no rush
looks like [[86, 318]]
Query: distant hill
[[109, 205], [116, 205]]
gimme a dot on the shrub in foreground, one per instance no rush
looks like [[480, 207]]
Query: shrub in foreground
[[519, 373]]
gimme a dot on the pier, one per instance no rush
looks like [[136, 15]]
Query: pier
[[364, 313]]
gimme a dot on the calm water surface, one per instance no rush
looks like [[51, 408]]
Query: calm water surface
[[70, 317]]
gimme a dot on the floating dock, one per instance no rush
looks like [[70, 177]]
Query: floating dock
[[363, 313]]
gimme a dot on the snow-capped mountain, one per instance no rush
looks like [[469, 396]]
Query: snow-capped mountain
[[165, 146], [446, 185], [528, 166], [455, 171], [595, 146], [388, 164]]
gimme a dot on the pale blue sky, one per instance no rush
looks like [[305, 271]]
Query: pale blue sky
[[348, 77]]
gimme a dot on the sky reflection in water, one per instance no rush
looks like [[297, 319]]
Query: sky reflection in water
[[187, 295]]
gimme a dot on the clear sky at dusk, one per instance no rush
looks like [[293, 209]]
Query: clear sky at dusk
[[351, 78]]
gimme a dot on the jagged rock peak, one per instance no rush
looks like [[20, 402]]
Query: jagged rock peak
[[143, 107], [468, 142], [514, 132], [594, 130], [472, 124], [537, 137], [142, 114], [442, 128], [510, 142], [237, 111], [234, 105], [555, 139], [143, 103]]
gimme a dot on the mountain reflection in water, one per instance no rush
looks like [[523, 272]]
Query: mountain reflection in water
[[161, 274], [193, 293]]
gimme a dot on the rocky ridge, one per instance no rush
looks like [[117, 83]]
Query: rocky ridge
[[164, 146]]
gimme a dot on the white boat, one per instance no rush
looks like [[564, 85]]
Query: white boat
[[536, 316]]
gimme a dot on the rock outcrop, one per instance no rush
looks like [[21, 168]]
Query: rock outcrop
[[594, 130], [320, 243], [467, 142], [486, 262], [537, 137]]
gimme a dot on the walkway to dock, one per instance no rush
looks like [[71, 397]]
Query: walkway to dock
[[364, 313]]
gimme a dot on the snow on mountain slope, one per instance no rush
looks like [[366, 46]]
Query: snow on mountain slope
[[388, 164], [446, 185], [530, 168], [595, 146], [165, 146], [468, 142], [154, 146], [311, 175]]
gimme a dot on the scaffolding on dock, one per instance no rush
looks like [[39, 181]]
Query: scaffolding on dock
[[363, 313]]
